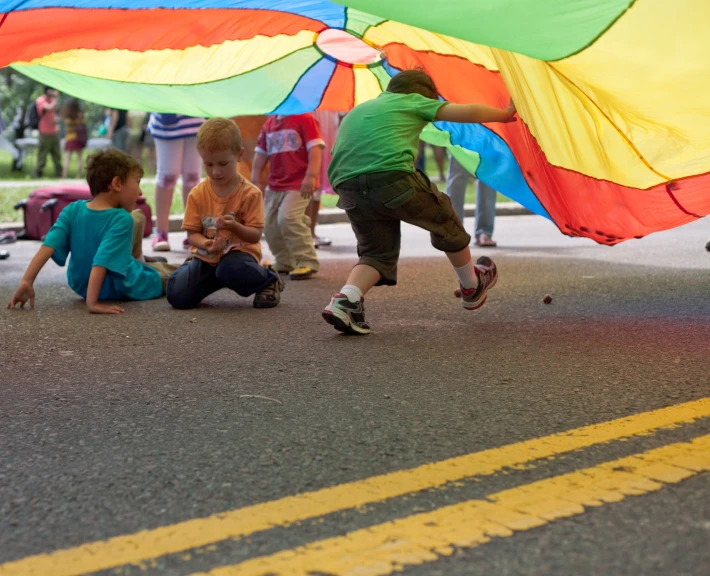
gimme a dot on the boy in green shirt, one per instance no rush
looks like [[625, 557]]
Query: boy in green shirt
[[373, 172]]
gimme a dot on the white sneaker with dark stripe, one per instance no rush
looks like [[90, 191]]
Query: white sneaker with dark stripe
[[345, 316]]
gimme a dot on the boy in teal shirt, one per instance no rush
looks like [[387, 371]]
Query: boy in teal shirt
[[372, 170], [103, 237]]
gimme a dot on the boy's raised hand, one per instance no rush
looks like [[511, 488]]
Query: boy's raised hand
[[24, 292]]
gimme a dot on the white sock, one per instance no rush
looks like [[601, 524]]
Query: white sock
[[352, 292], [467, 275]]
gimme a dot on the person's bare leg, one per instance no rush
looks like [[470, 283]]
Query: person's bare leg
[[312, 213], [79, 163], [65, 167], [364, 277], [163, 202], [460, 258]]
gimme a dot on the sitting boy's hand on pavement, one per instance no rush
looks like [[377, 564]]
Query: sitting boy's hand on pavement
[[99, 308], [308, 186], [24, 292]]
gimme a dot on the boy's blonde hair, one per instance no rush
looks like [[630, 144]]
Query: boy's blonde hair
[[103, 166], [219, 134]]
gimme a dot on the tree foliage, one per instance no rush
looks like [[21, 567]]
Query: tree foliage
[[17, 92]]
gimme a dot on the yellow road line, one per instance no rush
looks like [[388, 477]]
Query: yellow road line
[[148, 544], [389, 547]]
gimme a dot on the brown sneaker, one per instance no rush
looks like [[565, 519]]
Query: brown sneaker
[[270, 296]]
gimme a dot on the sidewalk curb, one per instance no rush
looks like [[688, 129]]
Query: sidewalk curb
[[332, 216]]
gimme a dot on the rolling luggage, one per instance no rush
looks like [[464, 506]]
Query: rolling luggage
[[43, 206]]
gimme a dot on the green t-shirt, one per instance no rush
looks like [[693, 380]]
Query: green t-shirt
[[381, 135]]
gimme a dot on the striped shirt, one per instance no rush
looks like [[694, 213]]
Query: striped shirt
[[173, 126]]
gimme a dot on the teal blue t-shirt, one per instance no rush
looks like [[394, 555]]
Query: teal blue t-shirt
[[102, 238], [381, 135]]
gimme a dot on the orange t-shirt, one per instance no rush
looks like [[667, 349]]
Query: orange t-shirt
[[245, 203]]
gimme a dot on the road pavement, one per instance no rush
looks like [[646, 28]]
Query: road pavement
[[305, 450]]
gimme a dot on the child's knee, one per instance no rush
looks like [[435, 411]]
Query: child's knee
[[166, 180], [291, 220], [230, 271], [190, 180], [177, 293], [179, 300], [138, 219], [450, 237], [241, 276]]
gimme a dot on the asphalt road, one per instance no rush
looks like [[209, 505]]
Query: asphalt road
[[113, 425]]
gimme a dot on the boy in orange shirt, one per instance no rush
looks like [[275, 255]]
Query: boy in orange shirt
[[224, 219]]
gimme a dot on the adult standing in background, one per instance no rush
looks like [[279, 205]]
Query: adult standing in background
[[175, 139], [75, 136], [118, 129], [485, 202], [135, 122], [48, 132]]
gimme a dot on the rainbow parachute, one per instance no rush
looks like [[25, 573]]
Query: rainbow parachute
[[613, 95]]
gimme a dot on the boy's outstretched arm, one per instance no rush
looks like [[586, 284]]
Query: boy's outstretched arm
[[475, 113], [25, 290], [96, 280]]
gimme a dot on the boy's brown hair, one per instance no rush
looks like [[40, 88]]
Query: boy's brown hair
[[413, 82], [103, 166], [219, 134]]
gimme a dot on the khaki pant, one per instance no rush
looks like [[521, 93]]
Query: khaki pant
[[288, 231], [165, 270], [49, 144]]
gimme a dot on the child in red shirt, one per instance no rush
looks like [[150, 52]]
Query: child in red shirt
[[293, 146]]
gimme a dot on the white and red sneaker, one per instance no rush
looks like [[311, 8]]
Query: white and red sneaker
[[474, 298]]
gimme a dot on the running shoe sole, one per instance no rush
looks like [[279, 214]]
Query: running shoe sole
[[161, 247], [341, 322]]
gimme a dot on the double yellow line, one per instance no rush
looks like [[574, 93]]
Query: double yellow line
[[384, 548]]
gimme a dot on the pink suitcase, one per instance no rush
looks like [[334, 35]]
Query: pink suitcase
[[44, 205]]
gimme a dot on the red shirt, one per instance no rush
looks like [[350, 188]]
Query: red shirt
[[47, 118], [286, 140]]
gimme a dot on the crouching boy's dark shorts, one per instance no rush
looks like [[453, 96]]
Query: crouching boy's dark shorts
[[376, 203]]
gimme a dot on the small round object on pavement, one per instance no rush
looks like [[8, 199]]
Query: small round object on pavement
[[547, 299], [4, 254], [457, 293]]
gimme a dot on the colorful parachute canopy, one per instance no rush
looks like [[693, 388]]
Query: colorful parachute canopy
[[613, 140]]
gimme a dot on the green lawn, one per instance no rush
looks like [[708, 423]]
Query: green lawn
[[9, 196]]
